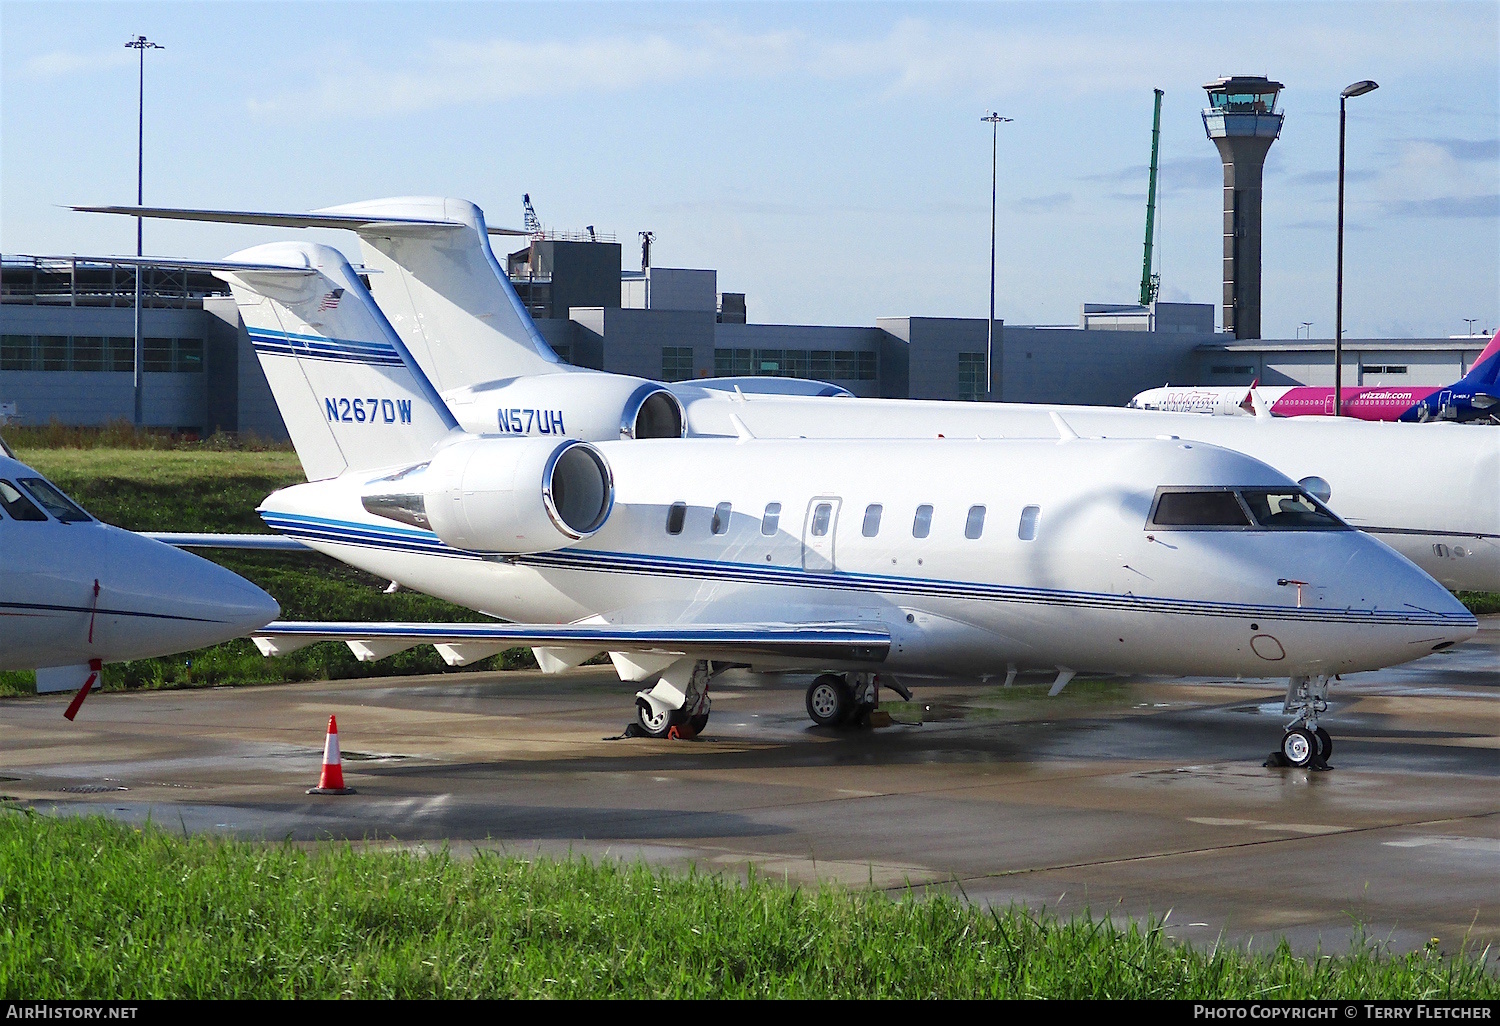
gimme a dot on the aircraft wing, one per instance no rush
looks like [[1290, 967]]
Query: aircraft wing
[[315, 219], [851, 642], [184, 540]]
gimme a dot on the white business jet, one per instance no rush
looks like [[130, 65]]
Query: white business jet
[[1433, 495], [75, 593], [905, 558]]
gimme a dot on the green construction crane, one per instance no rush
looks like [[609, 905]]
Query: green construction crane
[[1150, 283]]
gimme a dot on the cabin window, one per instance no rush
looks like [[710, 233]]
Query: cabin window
[[921, 525], [17, 505], [720, 522], [872, 520], [1029, 516], [771, 519], [676, 514], [821, 516], [54, 501], [974, 526]]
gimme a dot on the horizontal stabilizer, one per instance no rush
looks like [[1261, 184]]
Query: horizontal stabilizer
[[225, 541], [820, 641], [232, 266], [314, 219]]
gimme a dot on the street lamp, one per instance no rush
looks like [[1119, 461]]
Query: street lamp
[[1357, 89], [1307, 325], [989, 347], [140, 44], [1470, 322]]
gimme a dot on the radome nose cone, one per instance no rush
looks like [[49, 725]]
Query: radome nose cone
[[192, 602]]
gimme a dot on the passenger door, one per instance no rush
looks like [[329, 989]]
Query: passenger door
[[818, 530]]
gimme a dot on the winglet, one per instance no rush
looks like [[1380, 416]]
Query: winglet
[[1064, 432], [1257, 403]]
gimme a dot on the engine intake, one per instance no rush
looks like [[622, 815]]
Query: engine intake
[[511, 495], [591, 406]]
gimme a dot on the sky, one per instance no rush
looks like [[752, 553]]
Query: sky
[[827, 159]]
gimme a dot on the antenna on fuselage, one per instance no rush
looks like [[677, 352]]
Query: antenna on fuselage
[[1064, 432]]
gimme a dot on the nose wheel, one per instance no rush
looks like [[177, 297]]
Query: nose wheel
[[1305, 743]]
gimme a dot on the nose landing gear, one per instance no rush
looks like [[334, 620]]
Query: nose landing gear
[[1305, 743]]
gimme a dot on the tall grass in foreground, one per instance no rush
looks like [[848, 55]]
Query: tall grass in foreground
[[94, 909]]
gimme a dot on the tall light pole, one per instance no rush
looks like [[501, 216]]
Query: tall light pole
[[989, 347], [1308, 325], [140, 44], [1357, 89], [1470, 322]]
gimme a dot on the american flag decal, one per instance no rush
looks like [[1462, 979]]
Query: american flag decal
[[331, 301]]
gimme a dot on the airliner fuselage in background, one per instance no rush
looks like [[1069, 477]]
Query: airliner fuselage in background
[[914, 557], [76, 593], [1475, 396]]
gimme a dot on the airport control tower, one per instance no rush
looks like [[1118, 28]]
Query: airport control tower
[[1243, 122]]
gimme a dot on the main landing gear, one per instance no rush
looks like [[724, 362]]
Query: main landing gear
[[846, 699], [1305, 743], [677, 706]]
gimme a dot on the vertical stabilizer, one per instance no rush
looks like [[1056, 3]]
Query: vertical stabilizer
[[352, 396], [1485, 374], [446, 295]]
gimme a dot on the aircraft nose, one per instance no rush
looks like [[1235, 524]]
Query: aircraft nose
[[1433, 618], [169, 600]]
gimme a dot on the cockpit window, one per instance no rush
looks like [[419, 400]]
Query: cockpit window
[[1246, 509], [17, 505], [1199, 509], [54, 501], [1290, 510]]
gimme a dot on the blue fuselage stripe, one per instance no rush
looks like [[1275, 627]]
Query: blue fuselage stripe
[[333, 532]]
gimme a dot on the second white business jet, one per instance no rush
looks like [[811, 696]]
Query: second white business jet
[[909, 559], [76, 593]]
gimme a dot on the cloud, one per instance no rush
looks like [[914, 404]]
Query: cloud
[[1173, 173], [1070, 51], [1446, 206], [1330, 177], [1051, 201], [447, 73], [64, 63], [1468, 149]]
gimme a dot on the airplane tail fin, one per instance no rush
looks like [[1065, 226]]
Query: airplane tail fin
[[441, 287], [446, 293], [1484, 376], [352, 396]]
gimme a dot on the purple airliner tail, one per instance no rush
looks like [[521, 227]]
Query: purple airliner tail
[[1485, 374]]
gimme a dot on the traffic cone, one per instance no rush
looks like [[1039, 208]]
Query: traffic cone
[[332, 781]]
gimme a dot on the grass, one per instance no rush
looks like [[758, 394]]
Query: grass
[[1480, 602], [95, 909], [151, 482]]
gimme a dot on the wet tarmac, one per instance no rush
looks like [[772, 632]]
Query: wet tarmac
[[1123, 797]]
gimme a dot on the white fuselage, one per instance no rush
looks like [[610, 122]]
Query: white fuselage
[[151, 599], [1088, 585], [1431, 492]]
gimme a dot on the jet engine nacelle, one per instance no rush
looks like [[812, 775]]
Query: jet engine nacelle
[[511, 495], [594, 407]]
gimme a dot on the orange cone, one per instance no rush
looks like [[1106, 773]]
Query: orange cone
[[332, 781]]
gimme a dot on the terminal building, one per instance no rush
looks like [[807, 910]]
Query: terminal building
[[67, 342]]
